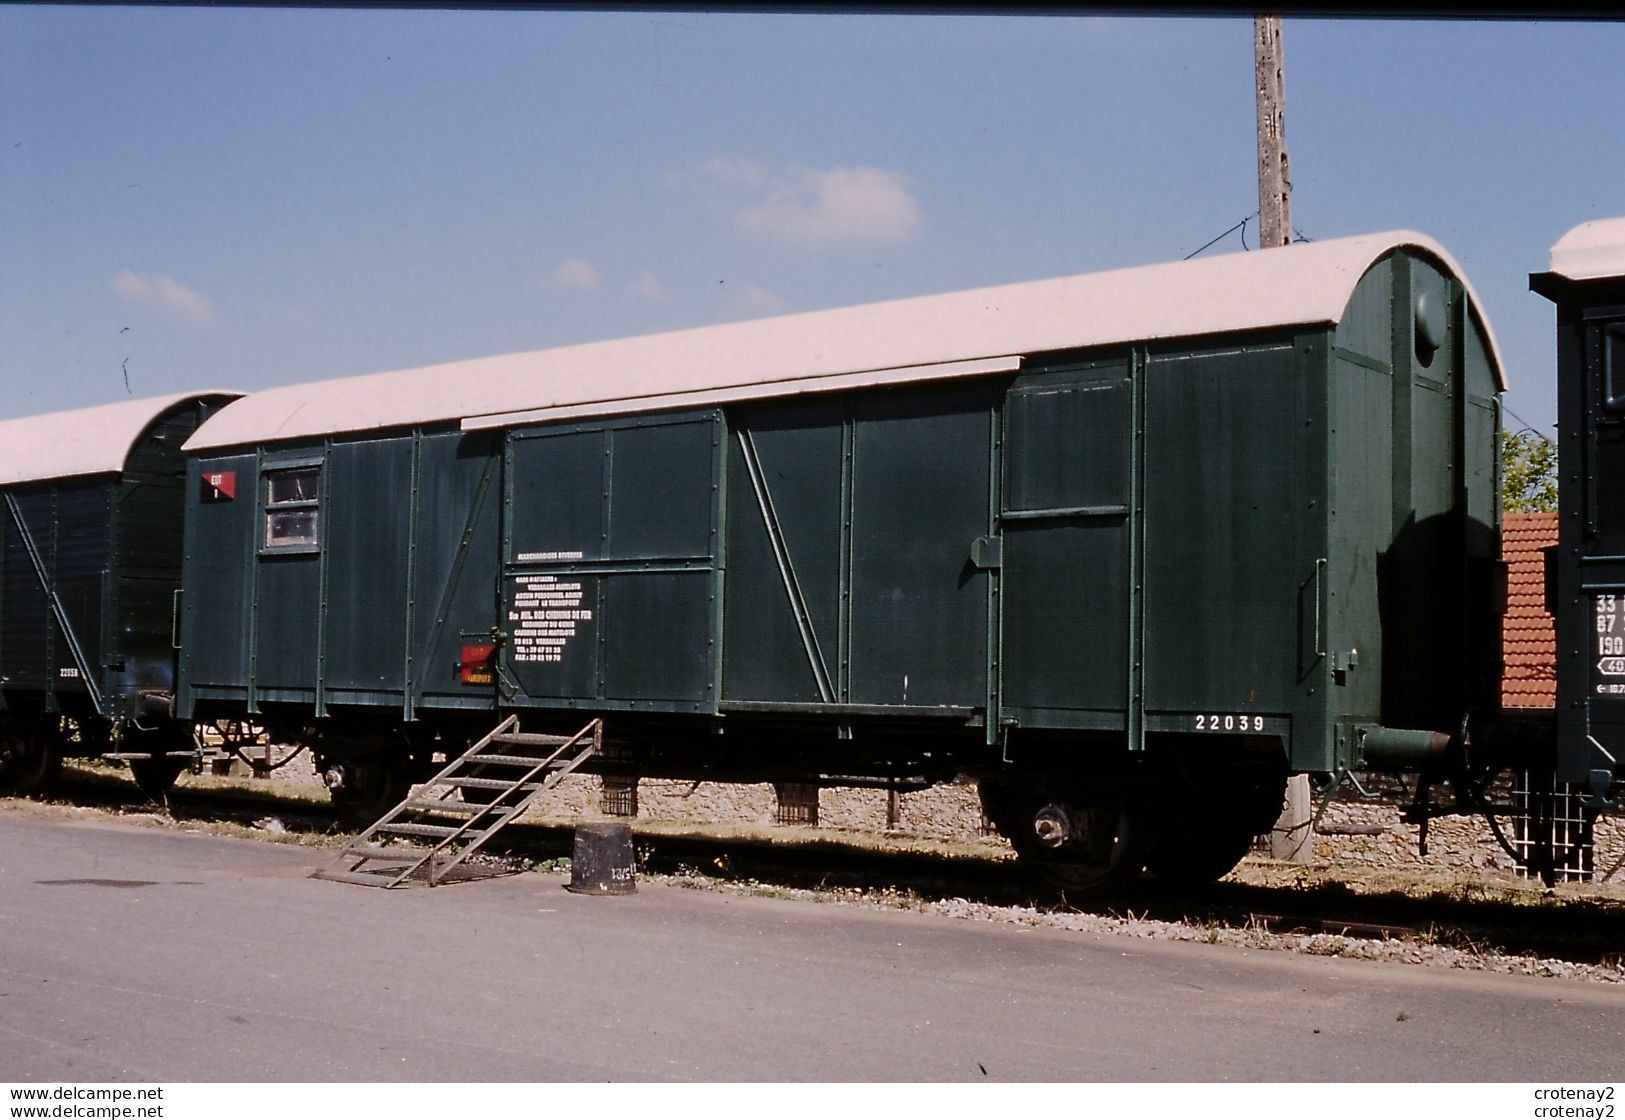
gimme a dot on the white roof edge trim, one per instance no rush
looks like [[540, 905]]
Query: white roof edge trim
[[1591, 250], [799, 387], [84, 441], [1269, 289]]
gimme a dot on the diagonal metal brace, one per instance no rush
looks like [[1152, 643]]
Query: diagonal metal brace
[[55, 600], [787, 572]]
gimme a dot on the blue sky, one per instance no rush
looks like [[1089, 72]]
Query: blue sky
[[245, 198]]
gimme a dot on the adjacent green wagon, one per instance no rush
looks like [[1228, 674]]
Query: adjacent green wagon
[[90, 565]]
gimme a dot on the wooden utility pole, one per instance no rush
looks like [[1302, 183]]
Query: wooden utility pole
[[1274, 181], [1292, 838]]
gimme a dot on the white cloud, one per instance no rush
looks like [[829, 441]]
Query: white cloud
[[735, 171], [165, 293], [649, 286], [575, 273], [759, 301], [807, 205]]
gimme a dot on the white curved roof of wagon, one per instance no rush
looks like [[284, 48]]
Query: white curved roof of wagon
[[928, 337], [83, 441], [1591, 251]]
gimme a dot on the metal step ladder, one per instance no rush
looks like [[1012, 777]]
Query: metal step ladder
[[507, 769]]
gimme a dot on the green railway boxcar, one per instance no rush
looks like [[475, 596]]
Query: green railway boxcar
[[1130, 547], [90, 564]]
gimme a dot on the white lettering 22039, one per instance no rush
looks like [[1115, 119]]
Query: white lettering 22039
[[1229, 722]]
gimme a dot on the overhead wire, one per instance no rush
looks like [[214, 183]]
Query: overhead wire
[[1527, 426], [1241, 225], [1298, 237]]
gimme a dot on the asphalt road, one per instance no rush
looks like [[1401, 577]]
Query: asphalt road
[[139, 954]]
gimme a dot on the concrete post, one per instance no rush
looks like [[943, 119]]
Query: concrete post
[[1274, 178], [1293, 839]]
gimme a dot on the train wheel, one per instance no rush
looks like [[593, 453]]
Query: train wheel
[[1085, 852], [156, 776], [1081, 849], [1209, 822], [1196, 849], [29, 761], [364, 789]]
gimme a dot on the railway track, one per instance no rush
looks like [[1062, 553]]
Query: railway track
[[1346, 902]]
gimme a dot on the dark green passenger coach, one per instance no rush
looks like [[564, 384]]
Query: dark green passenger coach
[[90, 564], [1127, 547]]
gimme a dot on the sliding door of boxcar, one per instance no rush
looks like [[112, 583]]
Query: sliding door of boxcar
[[921, 471], [1234, 536], [851, 523], [1064, 520], [785, 629], [609, 564]]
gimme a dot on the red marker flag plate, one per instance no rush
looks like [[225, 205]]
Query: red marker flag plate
[[219, 486]]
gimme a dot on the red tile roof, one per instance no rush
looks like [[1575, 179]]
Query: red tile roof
[[1528, 641]]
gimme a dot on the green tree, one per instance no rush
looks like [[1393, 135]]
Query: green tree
[[1528, 472]]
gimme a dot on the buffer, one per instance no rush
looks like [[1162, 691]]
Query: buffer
[[482, 790]]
